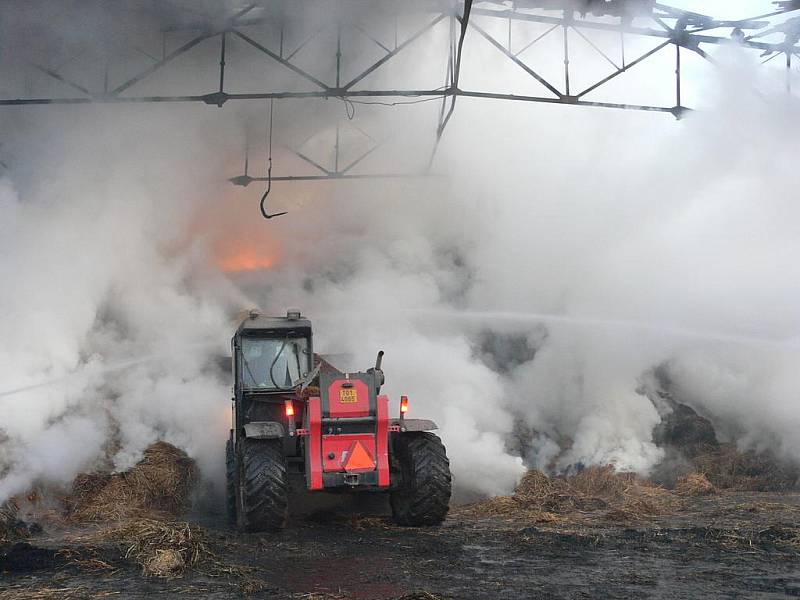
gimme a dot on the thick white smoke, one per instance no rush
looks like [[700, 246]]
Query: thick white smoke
[[685, 230], [104, 301], [640, 239]]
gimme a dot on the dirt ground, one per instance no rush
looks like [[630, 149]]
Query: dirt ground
[[729, 545]]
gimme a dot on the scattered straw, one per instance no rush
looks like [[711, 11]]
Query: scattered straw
[[694, 484], [593, 488], [602, 482], [5, 523], [251, 586], [542, 499], [634, 508], [728, 468], [26, 592], [11, 528], [781, 536], [162, 548], [168, 548], [363, 522]]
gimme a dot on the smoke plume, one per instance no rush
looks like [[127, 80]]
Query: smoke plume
[[558, 255]]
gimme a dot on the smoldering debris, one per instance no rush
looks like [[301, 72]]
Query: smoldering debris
[[693, 450], [555, 517], [17, 555], [7, 522], [161, 483], [696, 464], [143, 503], [721, 465], [123, 518], [165, 548], [597, 489], [694, 484], [695, 461], [683, 428], [23, 557], [160, 548], [729, 468], [13, 528]]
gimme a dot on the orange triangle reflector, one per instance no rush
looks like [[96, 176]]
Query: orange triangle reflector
[[359, 459]]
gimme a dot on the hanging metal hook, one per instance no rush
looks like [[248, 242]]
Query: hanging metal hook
[[262, 204]]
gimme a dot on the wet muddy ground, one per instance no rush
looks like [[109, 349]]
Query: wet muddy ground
[[733, 545]]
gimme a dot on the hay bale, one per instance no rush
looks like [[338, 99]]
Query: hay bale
[[160, 483], [694, 484]]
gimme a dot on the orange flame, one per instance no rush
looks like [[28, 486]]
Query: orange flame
[[236, 240], [245, 259]]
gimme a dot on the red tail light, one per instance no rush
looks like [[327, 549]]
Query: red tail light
[[403, 405], [289, 408]]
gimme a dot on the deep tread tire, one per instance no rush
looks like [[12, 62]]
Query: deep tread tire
[[262, 503], [230, 482], [424, 495]]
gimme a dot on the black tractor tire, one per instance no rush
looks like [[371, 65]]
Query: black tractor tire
[[262, 490], [423, 497], [230, 482]]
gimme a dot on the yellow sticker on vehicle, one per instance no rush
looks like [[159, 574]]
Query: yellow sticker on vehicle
[[348, 396]]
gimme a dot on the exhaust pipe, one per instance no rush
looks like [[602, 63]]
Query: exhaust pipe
[[378, 372]]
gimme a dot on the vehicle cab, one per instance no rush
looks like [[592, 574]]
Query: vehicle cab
[[271, 356]]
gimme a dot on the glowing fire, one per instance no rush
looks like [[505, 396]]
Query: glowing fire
[[245, 259], [237, 241]]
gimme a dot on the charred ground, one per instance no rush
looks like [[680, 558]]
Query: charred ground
[[714, 523], [735, 544], [595, 534]]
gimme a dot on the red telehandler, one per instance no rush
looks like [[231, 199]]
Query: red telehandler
[[300, 424]]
